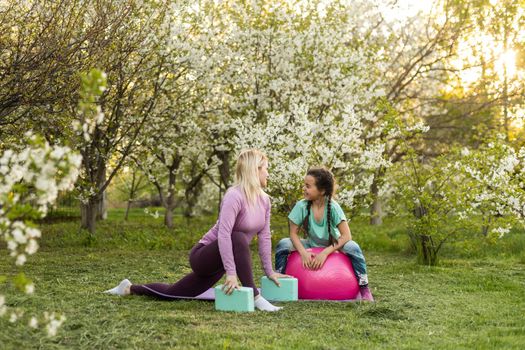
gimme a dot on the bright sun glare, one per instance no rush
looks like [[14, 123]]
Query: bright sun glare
[[506, 60], [470, 52]]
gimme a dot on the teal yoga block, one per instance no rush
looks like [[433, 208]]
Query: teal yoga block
[[288, 291], [241, 300]]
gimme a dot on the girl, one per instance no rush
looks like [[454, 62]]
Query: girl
[[245, 211], [325, 225]]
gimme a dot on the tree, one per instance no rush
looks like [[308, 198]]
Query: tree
[[47, 44], [295, 85], [412, 53], [175, 150], [132, 56], [40, 42], [177, 146], [131, 184]]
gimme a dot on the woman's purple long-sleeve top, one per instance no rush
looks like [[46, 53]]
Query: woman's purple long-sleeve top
[[236, 216]]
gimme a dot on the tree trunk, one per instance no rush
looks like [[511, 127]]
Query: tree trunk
[[376, 213], [427, 254], [220, 198], [506, 119], [89, 214], [486, 225], [170, 199], [102, 210], [132, 192], [92, 216], [193, 192], [127, 210], [192, 197], [224, 172], [425, 248], [224, 168], [376, 210], [423, 244], [83, 215], [168, 217]]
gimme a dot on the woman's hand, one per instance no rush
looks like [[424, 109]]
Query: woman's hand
[[274, 277], [307, 259], [318, 261], [230, 284]]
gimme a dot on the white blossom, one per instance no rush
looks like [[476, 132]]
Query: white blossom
[[33, 322], [20, 259], [501, 231], [30, 288], [53, 323]]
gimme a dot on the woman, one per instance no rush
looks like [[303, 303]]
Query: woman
[[245, 211]]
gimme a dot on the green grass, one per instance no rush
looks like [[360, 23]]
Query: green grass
[[471, 300]]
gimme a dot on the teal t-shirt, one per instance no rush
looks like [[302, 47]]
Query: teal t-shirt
[[318, 231]]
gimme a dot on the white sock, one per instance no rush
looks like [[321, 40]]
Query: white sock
[[264, 305], [121, 289]]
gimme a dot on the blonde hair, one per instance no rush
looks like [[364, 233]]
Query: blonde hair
[[247, 173]]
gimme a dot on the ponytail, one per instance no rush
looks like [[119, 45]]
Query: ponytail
[[331, 239], [306, 219]]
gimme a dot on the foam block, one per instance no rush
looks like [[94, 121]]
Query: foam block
[[241, 300], [286, 292]]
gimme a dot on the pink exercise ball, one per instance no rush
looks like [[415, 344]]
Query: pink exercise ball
[[336, 280]]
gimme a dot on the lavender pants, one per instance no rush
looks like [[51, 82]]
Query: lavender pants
[[206, 263]]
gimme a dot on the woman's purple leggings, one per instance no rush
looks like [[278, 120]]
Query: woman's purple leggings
[[206, 263]]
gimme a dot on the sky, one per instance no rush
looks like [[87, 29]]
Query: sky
[[402, 9]]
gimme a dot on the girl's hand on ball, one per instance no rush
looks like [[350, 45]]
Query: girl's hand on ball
[[307, 260], [318, 261]]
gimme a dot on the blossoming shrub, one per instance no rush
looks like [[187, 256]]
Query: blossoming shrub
[[462, 194], [30, 180], [31, 176]]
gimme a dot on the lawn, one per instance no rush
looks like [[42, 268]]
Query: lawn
[[475, 298]]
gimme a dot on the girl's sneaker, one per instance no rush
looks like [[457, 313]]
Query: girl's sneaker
[[366, 294]]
